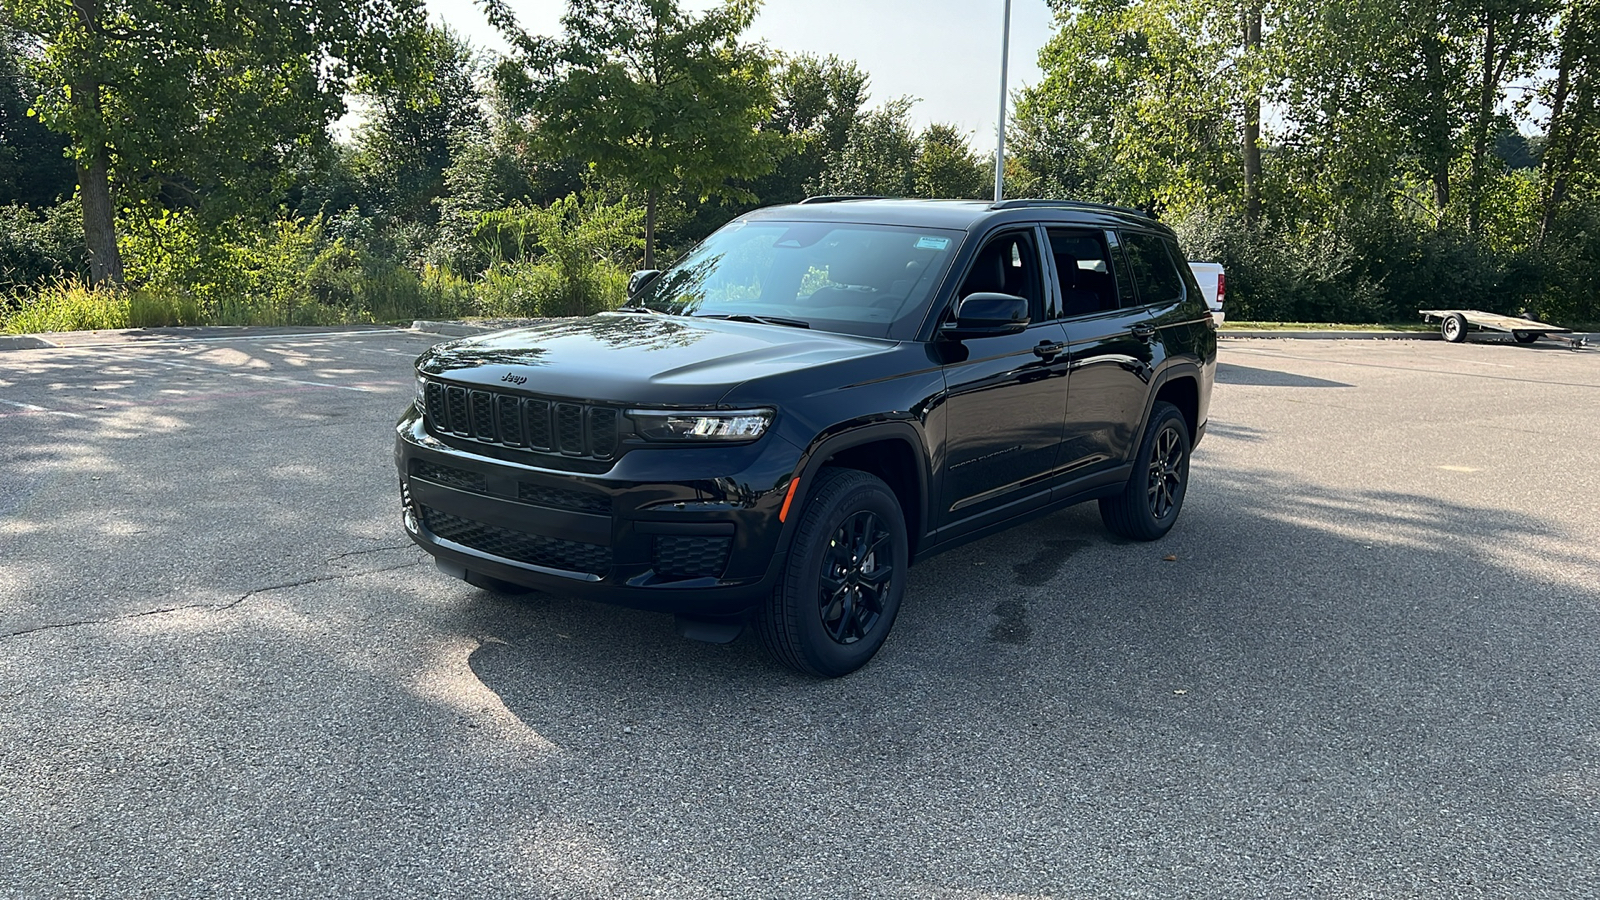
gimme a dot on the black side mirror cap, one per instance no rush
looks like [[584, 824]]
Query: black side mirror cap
[[640, 280], [985, 315]]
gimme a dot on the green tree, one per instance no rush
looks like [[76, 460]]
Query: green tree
[[647, 94], [1571, 162], [34, 168], [879, 158], [203, 101], [1138, 105], [947, 167], [404, 144]]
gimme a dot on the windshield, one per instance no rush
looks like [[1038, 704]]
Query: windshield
[[855, 279]]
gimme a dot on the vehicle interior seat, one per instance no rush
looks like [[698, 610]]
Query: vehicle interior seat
[[988, 274], [1076, 298]]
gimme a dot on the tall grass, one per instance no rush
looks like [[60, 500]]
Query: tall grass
[[70, 305], [564, 260]]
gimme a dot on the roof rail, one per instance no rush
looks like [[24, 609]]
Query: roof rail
[[840, 198], [1033, 202]]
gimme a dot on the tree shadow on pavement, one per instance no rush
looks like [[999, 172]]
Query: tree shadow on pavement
[[1323, 694]]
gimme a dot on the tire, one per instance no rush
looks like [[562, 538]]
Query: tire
[[838, 595], [495, 586], [1454, 328], [1151, 500], [1524, 337]]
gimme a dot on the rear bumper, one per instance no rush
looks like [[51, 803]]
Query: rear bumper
[[693, 530]]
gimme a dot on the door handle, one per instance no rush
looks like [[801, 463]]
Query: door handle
[[1144, 331], [1047, 350]]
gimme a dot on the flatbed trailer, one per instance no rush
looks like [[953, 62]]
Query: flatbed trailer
[[1453, 325]]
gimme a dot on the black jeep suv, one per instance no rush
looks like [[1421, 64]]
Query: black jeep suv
[[775, 428]]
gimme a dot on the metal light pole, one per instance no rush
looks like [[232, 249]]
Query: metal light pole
[[1000, 130]]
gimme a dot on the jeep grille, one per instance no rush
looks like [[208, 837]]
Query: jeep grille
[[510, 420]]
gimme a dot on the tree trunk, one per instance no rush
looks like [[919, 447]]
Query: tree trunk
[[1437, 126], [1480, 138], [99, 222], [1553, 166], [94, 177], [1252, 121], [650, 229]]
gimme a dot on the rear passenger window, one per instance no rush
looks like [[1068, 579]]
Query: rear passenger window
[[1153, 268], [1083, 271]]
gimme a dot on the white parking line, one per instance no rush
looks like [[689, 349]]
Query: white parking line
[[39, 409]]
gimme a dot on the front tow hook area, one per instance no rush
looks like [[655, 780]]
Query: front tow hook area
[[710, 629]]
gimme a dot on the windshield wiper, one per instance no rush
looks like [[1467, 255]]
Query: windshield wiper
[[762, 320], [639, 309]]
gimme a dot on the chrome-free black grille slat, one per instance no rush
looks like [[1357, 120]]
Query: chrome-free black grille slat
[[508, 420], [437, 411], [483, 416], [456, 401], [511, 420], [538, 418], [602, 431], [569, 429], [534, 549]]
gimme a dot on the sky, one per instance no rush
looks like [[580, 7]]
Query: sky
[[944, 53]]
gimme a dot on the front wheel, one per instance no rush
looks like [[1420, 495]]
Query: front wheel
[[845, 575], [1150, 501], [1524, 337]]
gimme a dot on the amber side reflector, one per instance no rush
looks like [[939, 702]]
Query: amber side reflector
[[783, 514]]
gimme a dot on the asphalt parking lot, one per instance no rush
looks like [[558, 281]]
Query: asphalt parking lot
[[1373, 668]]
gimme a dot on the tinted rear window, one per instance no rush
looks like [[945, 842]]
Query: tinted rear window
[[1153, 268]]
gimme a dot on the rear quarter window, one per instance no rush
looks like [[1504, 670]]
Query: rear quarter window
[[1153, 267]]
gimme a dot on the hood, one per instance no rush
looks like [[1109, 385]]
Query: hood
[[632, 358]]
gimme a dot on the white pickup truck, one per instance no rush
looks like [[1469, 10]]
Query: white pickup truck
[[1214, 283]]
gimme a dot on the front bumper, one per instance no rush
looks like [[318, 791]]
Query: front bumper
[[688, 530]]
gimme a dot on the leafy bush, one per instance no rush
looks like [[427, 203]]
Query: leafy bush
[[569, 259], [1370, 265], [36, 246]]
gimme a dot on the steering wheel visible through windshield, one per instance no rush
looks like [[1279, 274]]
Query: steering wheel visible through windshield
[[849, 278]]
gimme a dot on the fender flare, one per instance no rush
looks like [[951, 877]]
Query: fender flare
[[814, 456], [1174, 370]]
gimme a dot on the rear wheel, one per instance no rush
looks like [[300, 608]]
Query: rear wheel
[[1454, 328], [845, 576], [1150, 502]]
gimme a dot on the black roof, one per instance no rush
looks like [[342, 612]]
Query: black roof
[[955, 214]]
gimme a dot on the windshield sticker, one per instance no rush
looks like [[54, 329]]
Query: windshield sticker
[[932, 243]]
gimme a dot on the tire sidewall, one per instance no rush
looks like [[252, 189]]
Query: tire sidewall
[[802, 586], [1167, 416]]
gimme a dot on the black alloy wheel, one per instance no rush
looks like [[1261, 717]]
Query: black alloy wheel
[[1168, 470], [844, 577], [855, 580], [1149, 503]]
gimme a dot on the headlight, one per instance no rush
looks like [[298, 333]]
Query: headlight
[[711, 425], [422, 393]]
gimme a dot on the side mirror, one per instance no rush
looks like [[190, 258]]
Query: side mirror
[[985, 315], [641, 280]]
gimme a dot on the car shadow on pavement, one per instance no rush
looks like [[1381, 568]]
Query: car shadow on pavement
[[1355, 686]]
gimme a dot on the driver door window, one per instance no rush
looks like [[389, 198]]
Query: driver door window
[[1008, 264]]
